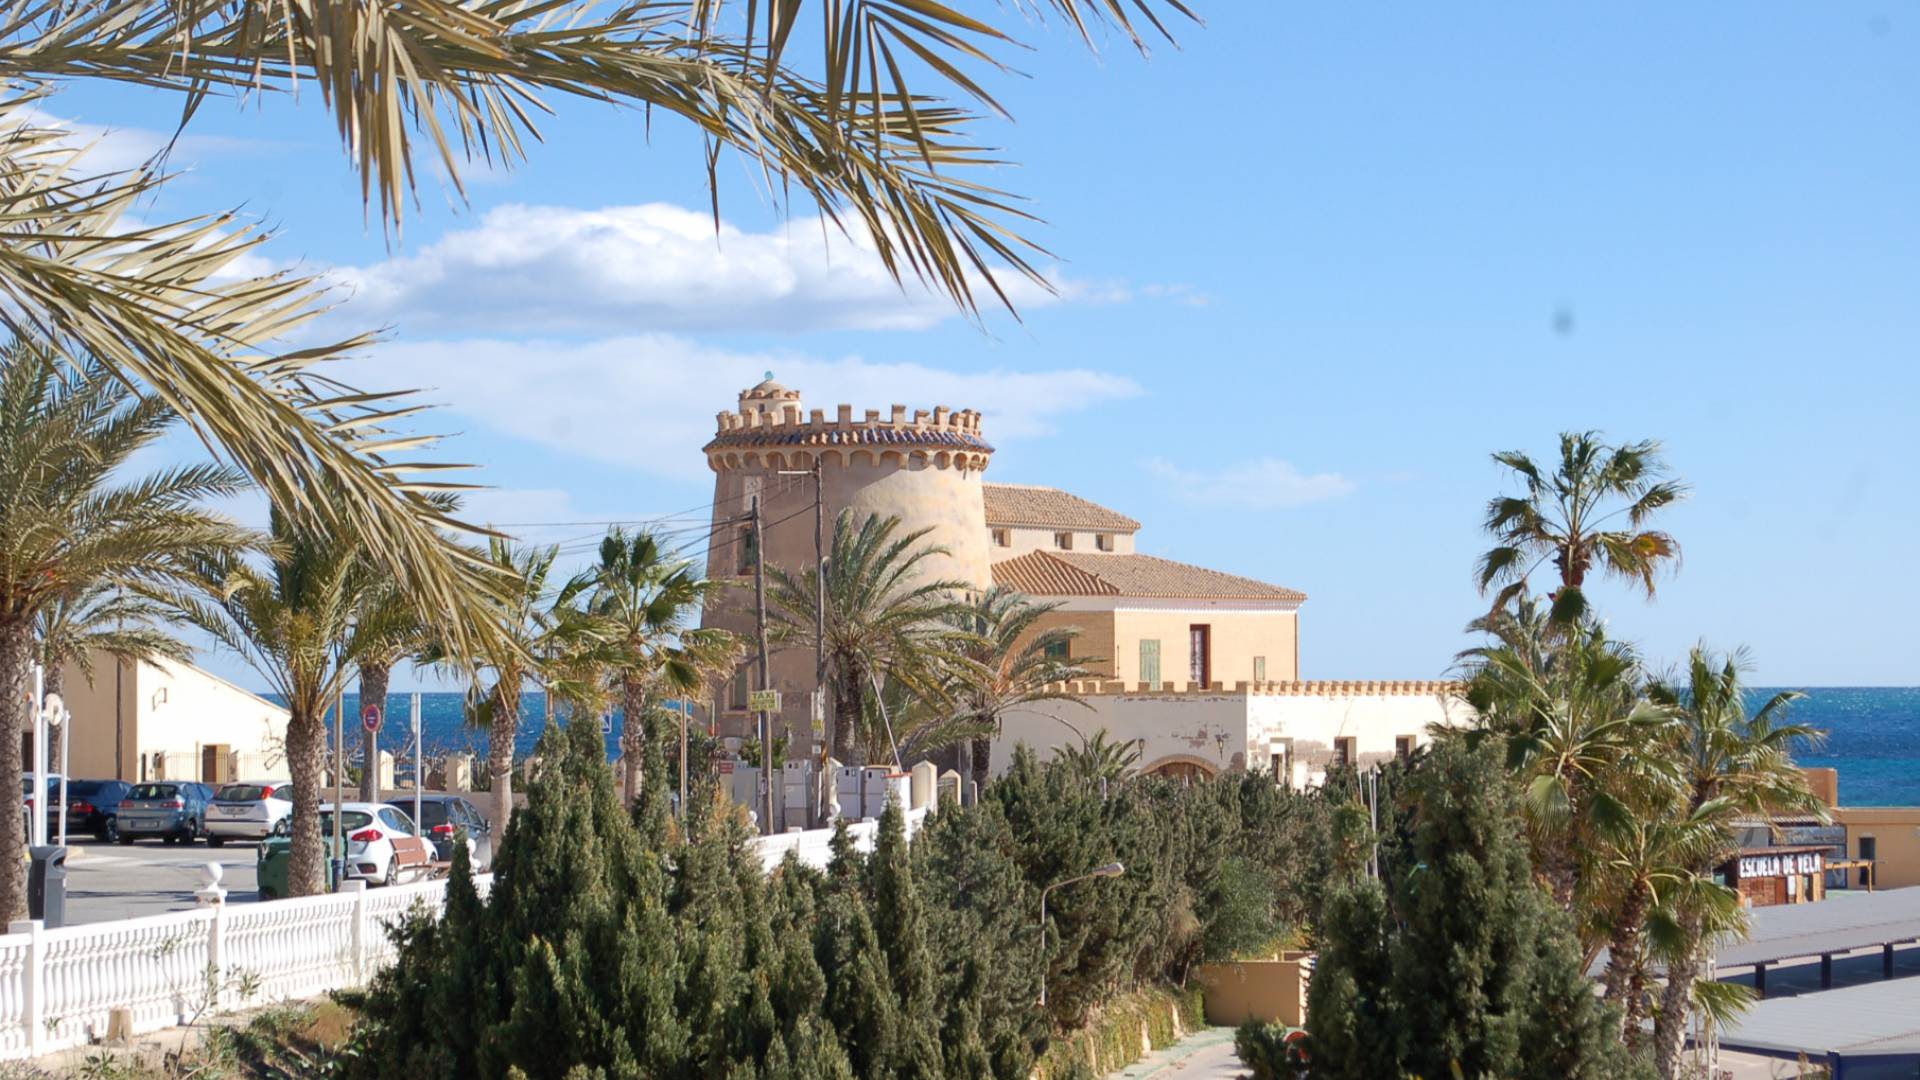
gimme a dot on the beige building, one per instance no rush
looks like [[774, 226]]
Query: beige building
[[169, 721], [1202, 667]]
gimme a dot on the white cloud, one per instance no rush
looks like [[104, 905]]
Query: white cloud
[[118, 149], [659, 267], [1260, 484], [648, 401]]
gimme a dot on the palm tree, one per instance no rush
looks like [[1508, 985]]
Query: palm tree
[[1004, 659], [293, 622], [68, 525], [102, 619], [1098, 760], [161, 306], [885, 616], [387, 629], [1566, 701], [643, 601], [1587, 514], [542, 637], [1741, 763]]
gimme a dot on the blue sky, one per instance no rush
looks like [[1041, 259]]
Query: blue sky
[[1315, 264]]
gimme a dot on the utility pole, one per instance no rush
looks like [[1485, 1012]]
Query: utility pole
[[820, 618], [766, 675], [825, 749]]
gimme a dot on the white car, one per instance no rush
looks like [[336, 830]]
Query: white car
[[383, 846], [248, 810]]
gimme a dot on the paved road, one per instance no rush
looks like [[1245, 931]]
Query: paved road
[[113, 881], [1204, 1055]]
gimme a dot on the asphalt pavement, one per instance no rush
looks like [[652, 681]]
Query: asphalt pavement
[[123, 881], [1206, 1054]]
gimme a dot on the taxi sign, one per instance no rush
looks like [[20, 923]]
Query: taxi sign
[[764, 701]]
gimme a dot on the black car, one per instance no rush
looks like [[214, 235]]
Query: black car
[[443, 817], [93, 807]]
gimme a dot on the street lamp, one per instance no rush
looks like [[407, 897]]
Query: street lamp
[[1112, 869]]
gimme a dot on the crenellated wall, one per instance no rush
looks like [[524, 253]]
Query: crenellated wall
[[1303, 727]]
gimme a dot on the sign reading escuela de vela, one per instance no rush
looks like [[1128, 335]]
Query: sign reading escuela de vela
[[1760, 866]]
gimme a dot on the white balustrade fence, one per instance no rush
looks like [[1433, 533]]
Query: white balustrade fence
[[60, 988]]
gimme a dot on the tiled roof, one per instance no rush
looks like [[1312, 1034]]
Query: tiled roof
[[1023, 504], [1072, 573]]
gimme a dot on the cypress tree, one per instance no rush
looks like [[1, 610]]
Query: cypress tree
[[900, 925], [1470, 971]]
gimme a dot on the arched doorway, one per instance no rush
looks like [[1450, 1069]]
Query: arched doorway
[[1182, 767]]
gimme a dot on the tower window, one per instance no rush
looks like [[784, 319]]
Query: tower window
[[1003, 538], [1259, 669], [737, 692], [1063, 541], [1103, 541], [747, 552], [1059, 650], [1403, 747], [1200, 654]]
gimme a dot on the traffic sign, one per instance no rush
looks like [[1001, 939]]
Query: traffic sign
[[726, 768], [606, 723], [370, 718], [763, 701]]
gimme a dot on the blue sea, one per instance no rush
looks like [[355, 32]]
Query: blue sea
[[1873, 735], [1873, 738]]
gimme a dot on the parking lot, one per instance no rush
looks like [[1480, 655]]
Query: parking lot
[[116, 881]]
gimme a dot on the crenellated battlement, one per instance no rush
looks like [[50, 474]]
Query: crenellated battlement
[[788, 418], [1325, 688], [770, 426]]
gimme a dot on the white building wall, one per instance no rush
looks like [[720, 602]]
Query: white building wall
[[1229, 731]]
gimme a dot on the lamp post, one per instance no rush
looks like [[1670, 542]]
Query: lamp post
[[1112, 869]]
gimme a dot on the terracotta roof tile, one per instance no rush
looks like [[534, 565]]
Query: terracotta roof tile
[[1023, 504], [1072, 573]]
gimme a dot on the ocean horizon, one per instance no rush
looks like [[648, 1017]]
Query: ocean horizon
[[1873, 734]]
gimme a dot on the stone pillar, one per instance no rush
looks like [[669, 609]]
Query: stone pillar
[[923, 791]]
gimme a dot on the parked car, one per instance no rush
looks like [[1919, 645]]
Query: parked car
[[93, 807], [447, 818], [174, 810], [248, 811], [383, 847]]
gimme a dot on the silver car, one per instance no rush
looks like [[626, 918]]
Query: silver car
[[173, 810], [248, 811]]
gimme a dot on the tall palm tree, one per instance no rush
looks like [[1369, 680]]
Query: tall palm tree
[[1567, 703], [541, 637], [643, 601], [885, 615], [160, 304], [387, 629], [102, 619], [69, 524], [1589, 513], [1741, 762], [1003, 660], [293, 622]]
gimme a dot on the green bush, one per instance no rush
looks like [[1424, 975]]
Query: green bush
[[1265, 1051]]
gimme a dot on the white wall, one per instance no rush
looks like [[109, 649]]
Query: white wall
[[1226, 731], [179, 709]]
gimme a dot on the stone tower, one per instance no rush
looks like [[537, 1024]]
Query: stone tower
[[923, 467]]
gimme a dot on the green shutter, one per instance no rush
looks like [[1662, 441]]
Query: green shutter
[[1150, 662], [1259, 669]]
